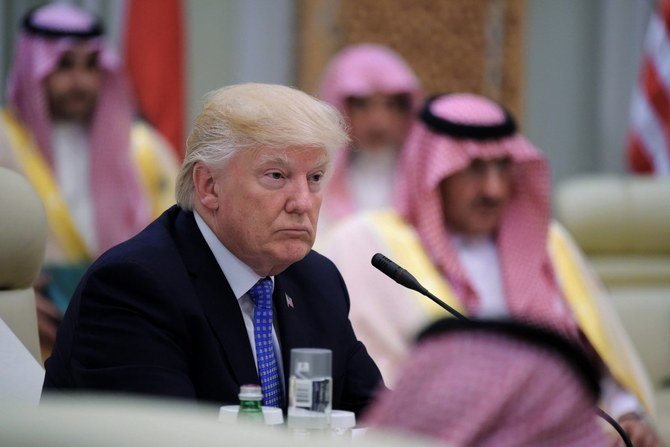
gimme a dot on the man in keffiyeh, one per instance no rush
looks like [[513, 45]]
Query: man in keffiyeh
[[485, 383], [69, 127], [379, 95], [472, 221]]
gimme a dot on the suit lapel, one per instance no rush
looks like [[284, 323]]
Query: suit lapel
[[217, 299], [290, 321]]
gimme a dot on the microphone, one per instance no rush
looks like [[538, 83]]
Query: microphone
[[405, 278]]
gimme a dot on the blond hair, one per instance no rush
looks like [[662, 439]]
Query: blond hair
[[256, 116]]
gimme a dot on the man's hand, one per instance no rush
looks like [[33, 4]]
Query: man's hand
[[640, 431], [48, 317]]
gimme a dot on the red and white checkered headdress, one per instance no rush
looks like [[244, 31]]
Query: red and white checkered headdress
[[453, 131], [48, 32], [494, 384]]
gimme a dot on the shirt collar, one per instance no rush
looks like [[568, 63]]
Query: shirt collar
[[240, 276], [465, 242]]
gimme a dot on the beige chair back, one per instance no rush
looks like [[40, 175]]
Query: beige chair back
[[23, 234], [622, 223]]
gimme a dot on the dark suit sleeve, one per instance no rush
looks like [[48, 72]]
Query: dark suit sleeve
[[319, 319], [130, 335], [363, 379]]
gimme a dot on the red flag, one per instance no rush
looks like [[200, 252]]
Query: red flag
[[154, 49], [649, 138]]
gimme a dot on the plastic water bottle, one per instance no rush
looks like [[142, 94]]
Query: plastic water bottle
[[250, 404], [310, 392]]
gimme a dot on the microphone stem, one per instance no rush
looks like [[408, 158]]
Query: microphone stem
[[444, 305], [617, 427]]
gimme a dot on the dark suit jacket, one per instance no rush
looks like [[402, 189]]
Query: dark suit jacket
[[156, 315]]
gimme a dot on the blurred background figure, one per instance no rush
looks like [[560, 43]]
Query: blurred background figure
[[472, 221], [69, 127], [494, 384], [379, 94]]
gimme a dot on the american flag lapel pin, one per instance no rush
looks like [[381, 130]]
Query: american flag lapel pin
[[289, 301]]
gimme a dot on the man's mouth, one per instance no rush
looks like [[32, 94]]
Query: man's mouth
[[296, 230]]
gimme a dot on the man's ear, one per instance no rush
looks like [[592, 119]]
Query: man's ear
[[204, 183]]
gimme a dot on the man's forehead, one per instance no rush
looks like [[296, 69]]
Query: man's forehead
[[378, 95], [316, 156], [82, 48]]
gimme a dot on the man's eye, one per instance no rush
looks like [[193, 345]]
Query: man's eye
[[399, 103], [356, 102], [92, 62], [65, 63], [504, 164], [477, 167], [317, 178], [276, 175]]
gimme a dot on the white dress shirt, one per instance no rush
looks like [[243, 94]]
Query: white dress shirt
[[71, 159], [479, 257], [241, 279]]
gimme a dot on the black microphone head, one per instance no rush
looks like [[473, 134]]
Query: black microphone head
[[405, 278], [387, 267], [394, 271], [381, 262]]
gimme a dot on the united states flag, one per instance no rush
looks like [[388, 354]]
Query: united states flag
[[649, 138]]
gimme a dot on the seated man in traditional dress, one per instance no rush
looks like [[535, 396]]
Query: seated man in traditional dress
[[69, 127], [379, 95], [472, 222]]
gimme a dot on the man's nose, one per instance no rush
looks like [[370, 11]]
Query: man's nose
[[83, 76], [380, 114], [495, 183], [300, 199]]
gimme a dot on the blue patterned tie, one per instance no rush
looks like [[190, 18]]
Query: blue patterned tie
[[261, 295]]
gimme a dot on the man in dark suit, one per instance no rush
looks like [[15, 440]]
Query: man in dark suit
[[179, 309]]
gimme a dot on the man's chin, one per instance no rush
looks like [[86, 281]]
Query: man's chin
[[293, 251], [286, 258]]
